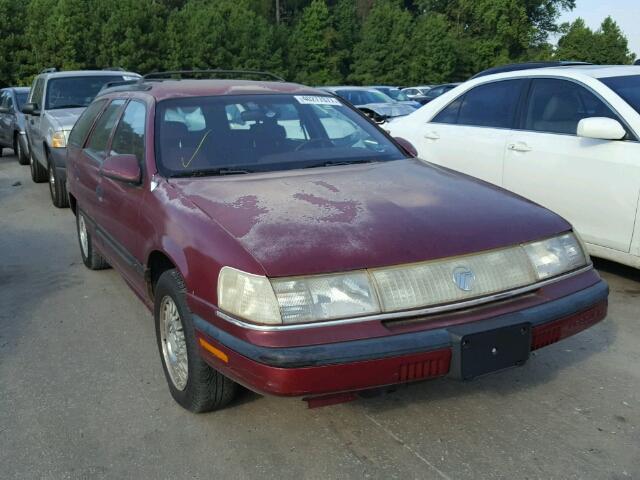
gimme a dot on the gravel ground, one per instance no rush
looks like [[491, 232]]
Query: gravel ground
[[82, 394]]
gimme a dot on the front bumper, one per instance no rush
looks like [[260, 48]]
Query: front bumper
[[370, 363]]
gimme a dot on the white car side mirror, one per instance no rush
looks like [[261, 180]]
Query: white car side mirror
[[601, 128]]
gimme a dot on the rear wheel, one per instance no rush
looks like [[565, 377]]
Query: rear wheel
[[38, 172], [23, 159], [193, 383], [57, 187], [90, 256]]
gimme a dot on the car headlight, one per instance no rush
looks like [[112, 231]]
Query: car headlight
[[556, 255], [248, 296], [59, 139]]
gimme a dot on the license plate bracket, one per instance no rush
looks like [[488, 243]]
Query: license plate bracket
[[489, 351]]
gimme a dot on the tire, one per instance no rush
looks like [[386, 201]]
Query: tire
[[201, 388], [57, 188], [90, 256], [23, 159], [38, 172]]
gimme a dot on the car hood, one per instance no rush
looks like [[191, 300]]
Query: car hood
[[65, 118], [342, 218], [389, 109]]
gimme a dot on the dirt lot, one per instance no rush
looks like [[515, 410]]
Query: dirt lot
[[82, 394]]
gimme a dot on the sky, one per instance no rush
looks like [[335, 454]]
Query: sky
[[626, 13]]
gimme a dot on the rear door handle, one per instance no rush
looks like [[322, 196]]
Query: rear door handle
[[431, 135], [519, 147]]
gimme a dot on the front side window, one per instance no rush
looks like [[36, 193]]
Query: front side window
[[83, 124], [97, 144], [129, 135], [627, 88], [37, 91], [556, 106], [75, 92], [251, 133]]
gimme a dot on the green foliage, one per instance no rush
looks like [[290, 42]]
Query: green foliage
[[605, 46], [383, 52], [315, 42], [313, 55]]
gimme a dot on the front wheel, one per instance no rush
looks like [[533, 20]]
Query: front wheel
[[57, 187], [193, 383]]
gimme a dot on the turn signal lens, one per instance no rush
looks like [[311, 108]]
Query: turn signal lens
[[59, 139]]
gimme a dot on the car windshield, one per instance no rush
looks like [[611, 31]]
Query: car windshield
[[363, 97], [626, 87], [260, 133], [21, 98], [74, 92], [396, 94]]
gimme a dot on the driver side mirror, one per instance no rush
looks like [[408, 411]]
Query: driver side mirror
[[407, 146], [123, 168], [601, 128], [30, 109]]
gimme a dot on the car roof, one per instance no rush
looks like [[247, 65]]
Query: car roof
[[348, 87], [573, 71], [166, 89], [88, 73]]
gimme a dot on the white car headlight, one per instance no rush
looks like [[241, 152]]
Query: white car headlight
[[556, 255], [248, 296], [325, 297]]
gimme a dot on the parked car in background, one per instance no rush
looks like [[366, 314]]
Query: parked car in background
[[436, 91], [312, 262], [565, 137], [396, 94], [417, 94], [372, 102], [55, 102], [12, 122]]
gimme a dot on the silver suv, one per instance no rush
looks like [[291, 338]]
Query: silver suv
[[55, 102]]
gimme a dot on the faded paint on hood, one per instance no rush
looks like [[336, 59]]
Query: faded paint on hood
[[342, 218], [65, 118]]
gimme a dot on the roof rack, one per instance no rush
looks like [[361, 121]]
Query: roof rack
[[49, 70], [191, 74], [512, 67]]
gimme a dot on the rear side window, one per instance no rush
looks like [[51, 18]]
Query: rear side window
[[129, 135], [84, 123], [491, 105], [556, 106], [97, 144]]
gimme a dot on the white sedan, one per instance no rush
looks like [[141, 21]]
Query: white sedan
[[565, 137]]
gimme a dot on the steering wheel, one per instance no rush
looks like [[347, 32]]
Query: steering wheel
[[313, 141]]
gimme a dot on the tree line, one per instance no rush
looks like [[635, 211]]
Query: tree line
[[309, 41]]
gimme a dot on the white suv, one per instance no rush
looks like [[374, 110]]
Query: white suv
[[565, 137]]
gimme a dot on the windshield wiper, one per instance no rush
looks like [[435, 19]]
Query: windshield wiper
[[332, 163], [212, 172], [71, 105]]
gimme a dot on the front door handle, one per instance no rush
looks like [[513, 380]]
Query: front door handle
[[431, 135], [519, 147]]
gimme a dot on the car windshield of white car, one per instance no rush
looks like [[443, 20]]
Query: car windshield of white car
[[627, 87], [75, 92], [224, 135]]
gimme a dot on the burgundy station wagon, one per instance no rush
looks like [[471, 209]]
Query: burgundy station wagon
[[286, 243]]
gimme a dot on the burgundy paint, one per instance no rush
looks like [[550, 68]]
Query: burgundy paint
[[124, 168]]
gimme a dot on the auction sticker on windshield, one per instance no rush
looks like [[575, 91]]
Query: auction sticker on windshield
[[317, 100]]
